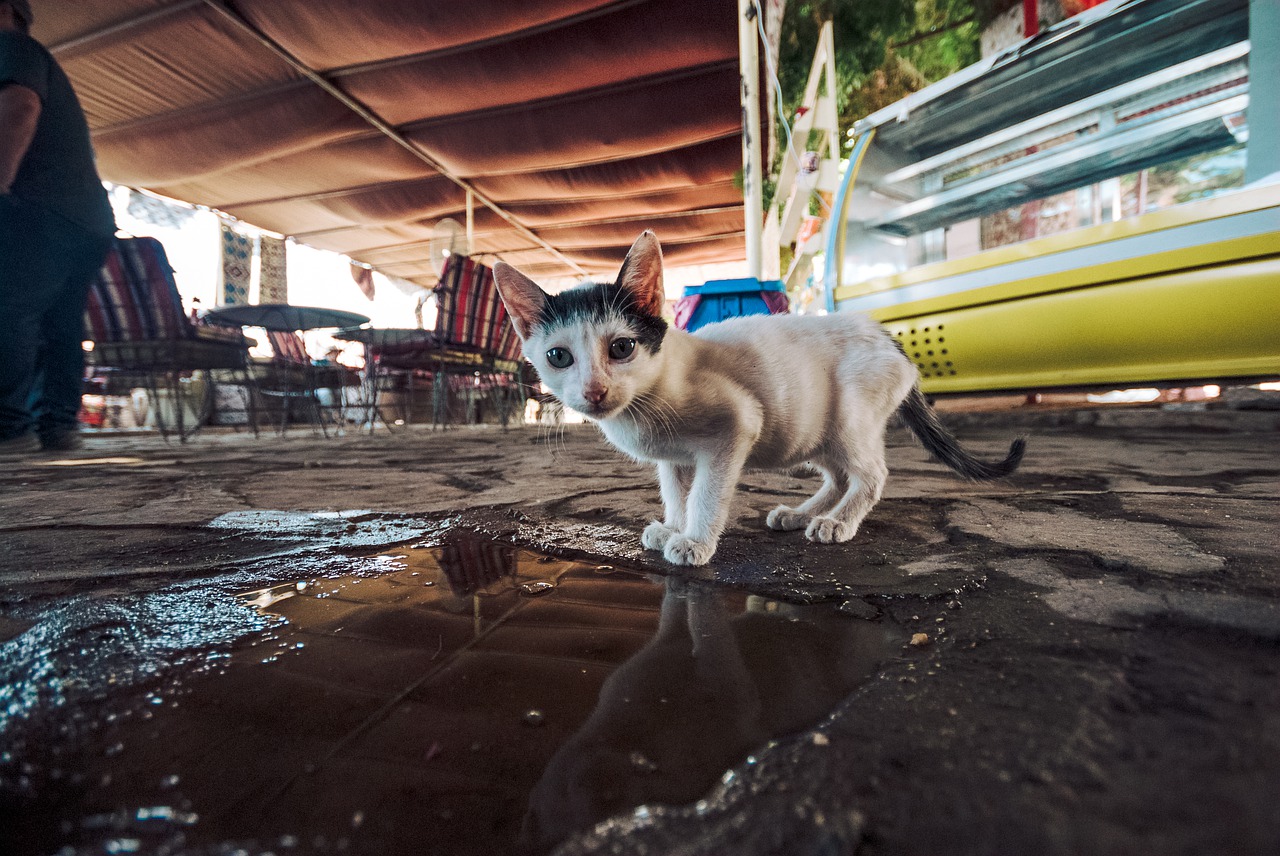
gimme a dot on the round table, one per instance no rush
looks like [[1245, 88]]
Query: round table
[[388, 336], [284, 317], [281, 378]]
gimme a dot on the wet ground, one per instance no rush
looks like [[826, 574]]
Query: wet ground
[[452, 643]]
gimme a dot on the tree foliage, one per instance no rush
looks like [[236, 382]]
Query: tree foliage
[[885, 49]]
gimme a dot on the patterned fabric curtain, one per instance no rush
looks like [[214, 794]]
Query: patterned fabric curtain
[[273, 282], [237, 267]]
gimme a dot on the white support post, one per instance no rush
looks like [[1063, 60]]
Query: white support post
[[752, 168], [827, 41], [471, 222]]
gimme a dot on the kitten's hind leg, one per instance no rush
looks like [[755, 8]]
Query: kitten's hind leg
[[786, 518], [866, 483], [673, 483]]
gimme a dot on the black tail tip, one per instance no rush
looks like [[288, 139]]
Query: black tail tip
[[979, 471], [1016, 450]]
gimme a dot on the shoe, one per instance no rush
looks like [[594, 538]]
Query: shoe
[[62, 441], [23, 444]]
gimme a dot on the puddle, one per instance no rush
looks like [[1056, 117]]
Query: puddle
[[324, 529], [454, 695]]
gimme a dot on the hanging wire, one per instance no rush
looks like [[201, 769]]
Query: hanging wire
[[777, 90]]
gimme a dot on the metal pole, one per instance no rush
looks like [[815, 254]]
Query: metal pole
[[752, 168], [471, 222]]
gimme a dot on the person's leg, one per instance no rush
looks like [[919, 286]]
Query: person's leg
[[60, 372], [19, 340], [29, 271]]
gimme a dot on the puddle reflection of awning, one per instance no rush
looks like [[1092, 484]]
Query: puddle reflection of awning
[[357, 126]]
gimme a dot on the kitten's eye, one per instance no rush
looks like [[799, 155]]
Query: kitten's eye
[[559, 358], [620, 349]]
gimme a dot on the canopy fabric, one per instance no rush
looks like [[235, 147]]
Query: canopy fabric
[[355, 127]]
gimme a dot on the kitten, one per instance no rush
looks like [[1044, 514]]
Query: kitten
[[760, 392]]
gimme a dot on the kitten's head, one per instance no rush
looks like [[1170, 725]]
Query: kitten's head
[[596, 345]]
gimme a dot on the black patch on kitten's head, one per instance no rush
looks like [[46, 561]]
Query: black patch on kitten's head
[[597, 302]]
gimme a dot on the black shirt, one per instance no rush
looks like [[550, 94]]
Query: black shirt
[[58, 171]]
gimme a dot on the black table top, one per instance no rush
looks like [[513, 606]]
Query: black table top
[[384, 336], [284, 317]]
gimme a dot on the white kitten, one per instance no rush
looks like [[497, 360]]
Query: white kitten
[[761, 392]]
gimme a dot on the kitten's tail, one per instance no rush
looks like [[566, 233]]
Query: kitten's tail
[[933, 435]]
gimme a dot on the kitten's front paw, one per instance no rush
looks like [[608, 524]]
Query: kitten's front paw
[[827, 530], [656, 535], [785, 519], [681, 550]]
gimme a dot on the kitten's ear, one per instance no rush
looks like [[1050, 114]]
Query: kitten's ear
[[521, 295], [641, 274]]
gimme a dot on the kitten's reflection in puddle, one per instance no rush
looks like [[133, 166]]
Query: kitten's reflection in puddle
[[716, 682]]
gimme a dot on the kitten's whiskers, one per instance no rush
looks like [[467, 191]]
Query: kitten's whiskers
[[658, 415], [551, 433]]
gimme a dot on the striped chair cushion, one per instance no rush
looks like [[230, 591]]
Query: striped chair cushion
[[471, 312], [288, 347], [134, 296]]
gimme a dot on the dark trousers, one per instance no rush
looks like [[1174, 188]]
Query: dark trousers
[[46, 265]]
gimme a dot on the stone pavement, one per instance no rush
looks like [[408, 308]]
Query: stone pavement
[[1083, 658]]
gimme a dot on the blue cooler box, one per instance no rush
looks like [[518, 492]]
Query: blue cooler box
[[719, 299]]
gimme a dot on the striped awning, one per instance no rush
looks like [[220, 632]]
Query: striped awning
[[356, 127]]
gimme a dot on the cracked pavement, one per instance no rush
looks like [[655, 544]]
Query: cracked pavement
[[1100, 663]]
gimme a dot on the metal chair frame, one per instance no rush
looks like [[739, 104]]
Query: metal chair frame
[[135, 319]]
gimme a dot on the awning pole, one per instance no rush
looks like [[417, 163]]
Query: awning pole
[[752, 168], [471, 222]]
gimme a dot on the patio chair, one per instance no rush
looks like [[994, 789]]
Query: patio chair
[[470, 361], [134, 318], [282, 383], [292, 378]]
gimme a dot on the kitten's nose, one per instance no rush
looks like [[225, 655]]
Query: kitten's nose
[[595, 394]]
